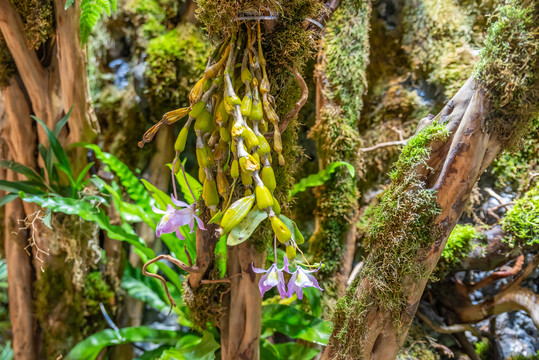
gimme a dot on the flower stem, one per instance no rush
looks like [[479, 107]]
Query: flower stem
[[186, 182], [275, 247], [173, 179]]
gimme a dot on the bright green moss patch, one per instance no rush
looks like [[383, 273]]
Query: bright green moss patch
[[175, 62], [521, 223], [458, 243], [508, 68]]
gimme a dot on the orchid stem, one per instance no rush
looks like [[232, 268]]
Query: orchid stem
[[173, 179], [275, 247], [185, 178]]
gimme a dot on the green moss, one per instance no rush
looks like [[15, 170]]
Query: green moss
[[335, 131], [524, 357], [514, 166], [521, 223], [437, 37], [175, 62], [508, 68], [400, 229], [482, 348], [153, 17], [458, 244]]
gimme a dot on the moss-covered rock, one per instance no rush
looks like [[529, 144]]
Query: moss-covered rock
[[520, 224]]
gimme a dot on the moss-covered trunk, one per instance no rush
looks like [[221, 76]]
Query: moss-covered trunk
[[341, 82]]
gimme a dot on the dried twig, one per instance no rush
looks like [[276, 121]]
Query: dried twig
[[491, 211], [447, 329], [500, 274], [390, 143], [297, 107]]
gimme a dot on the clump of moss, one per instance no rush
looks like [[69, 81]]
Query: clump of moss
[[335, 130], [508, 68], [437, 37], [520, 224], [38, 20], [153, 17], [524, 357], [175, 62], [417, 346], [400, 229], [458, 245], [482, 348], [512, 167]]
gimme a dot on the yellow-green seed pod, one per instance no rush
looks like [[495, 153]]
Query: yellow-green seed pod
[[202, 157], [209, 154], [237, 130], [246, 178], [201, 175], [234, 169], [281, 160], [263, 126], [263, 197], [233, 100], [228, 107], [222, 183], [196, 91], [291, 252], [204, 122], [233, 147], [225, 135], [248, 163], [264, 85], [257, 113], [256, 157], [280, 229], [220, 151], [218, 80], [209, 193], [179, 145], [299, 236], [250, 138], [277, 143], [268, 178], [248, 192], [221, 114], [207, 84], [246, 76], [246, 105], [263, 145], [276, 207], [197, 109], [236, 213]]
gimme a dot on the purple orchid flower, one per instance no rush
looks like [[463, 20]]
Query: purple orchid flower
[[173, 218], [301, 279], [273, 277]]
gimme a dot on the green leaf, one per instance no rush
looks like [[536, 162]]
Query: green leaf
[[321, 177], [221, 255], [57, 148], [68, 4], [144, 288], [82, 174], [16, 186], [294, 350], [132, 184], [160, 197], [296, 324], [193, 183], [60, 124], [313, 297], [9, 197], [30, 173], [246, 227], [89, 348], [192, 347], [47, 156]]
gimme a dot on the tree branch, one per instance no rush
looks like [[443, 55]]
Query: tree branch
[[30, 69]]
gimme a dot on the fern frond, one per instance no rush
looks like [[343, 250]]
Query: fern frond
[[91, 12]]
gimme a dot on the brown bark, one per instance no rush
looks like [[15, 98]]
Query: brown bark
[[240, 326], [452, 170]]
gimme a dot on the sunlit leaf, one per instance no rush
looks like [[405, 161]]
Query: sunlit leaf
[[246, 227], [321, 177]]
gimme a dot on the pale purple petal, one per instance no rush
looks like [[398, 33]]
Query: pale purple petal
[[158, 211], [179, 234], [178, 202], [281, 285], [263, 288], [182, 217], [258, 270], [192, 224], [285, 266], [200, 223], [315, 282], [292, 284], [299, 292]]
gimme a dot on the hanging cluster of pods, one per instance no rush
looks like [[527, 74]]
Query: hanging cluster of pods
[[230, 111]]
